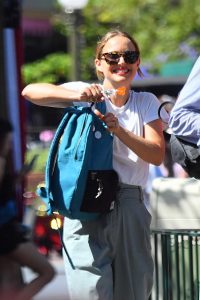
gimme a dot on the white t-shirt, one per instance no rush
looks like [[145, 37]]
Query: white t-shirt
[[140, 109]]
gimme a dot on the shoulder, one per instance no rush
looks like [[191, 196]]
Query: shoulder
[[143, 95], [146, 104], [144, 98]]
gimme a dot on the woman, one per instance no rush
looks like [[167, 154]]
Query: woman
[[112, 255], [15, 245]]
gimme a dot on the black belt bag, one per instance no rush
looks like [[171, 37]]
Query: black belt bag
[[187, 155]]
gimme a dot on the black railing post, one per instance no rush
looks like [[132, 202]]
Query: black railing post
[[191, 274], [156, 271], [176, 238], [177, 274], [197, 268], [183, 266]]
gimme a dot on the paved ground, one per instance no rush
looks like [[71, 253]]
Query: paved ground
[[57, 288]]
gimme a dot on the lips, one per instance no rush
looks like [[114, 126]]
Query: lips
[[120, 71]]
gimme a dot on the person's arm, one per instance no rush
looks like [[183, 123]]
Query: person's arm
[[46, 94], [150, 148]]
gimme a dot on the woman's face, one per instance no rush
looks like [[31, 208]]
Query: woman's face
[[121, 73]]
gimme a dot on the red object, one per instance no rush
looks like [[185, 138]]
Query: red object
[[46, 238]]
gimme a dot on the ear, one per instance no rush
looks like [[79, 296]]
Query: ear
[[138, 62], [98, 64]]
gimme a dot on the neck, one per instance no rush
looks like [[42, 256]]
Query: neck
[[119, 100]]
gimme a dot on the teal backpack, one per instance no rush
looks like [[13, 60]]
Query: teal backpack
[[80, 182]]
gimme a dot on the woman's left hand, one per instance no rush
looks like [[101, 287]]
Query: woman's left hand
[[109, 119]]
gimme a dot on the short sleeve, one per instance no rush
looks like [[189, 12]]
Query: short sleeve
[[76, 86], [150, 106]]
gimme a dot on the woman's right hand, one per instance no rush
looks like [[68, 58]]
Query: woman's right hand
[[92, 93]]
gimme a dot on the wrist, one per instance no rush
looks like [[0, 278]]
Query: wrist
[[117, 130]]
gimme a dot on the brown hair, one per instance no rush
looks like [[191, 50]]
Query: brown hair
[[101, 43]]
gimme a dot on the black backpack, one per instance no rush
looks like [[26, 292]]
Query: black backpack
[[184, 153]]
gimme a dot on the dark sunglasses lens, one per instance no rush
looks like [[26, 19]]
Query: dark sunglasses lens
[[131, 57], [112, 58]]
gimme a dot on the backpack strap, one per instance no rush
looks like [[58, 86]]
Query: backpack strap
[[101, 106], [52, 150], [63, 244]]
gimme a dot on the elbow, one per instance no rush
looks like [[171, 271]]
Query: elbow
[[51, 274], [158, 162], [158, 157], [32, 92], [26, 92], [23, 93]]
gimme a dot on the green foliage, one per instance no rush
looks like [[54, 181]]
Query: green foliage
[[52, 68], [39, 166], [165, 30], [160, 27]]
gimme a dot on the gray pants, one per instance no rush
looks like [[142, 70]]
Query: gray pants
[[112, 255]]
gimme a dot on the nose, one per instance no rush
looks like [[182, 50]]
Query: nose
[[121, 59]]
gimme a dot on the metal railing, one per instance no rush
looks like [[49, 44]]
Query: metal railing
[[177, 264]]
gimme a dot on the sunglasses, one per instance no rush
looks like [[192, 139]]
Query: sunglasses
[[112, 58]]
